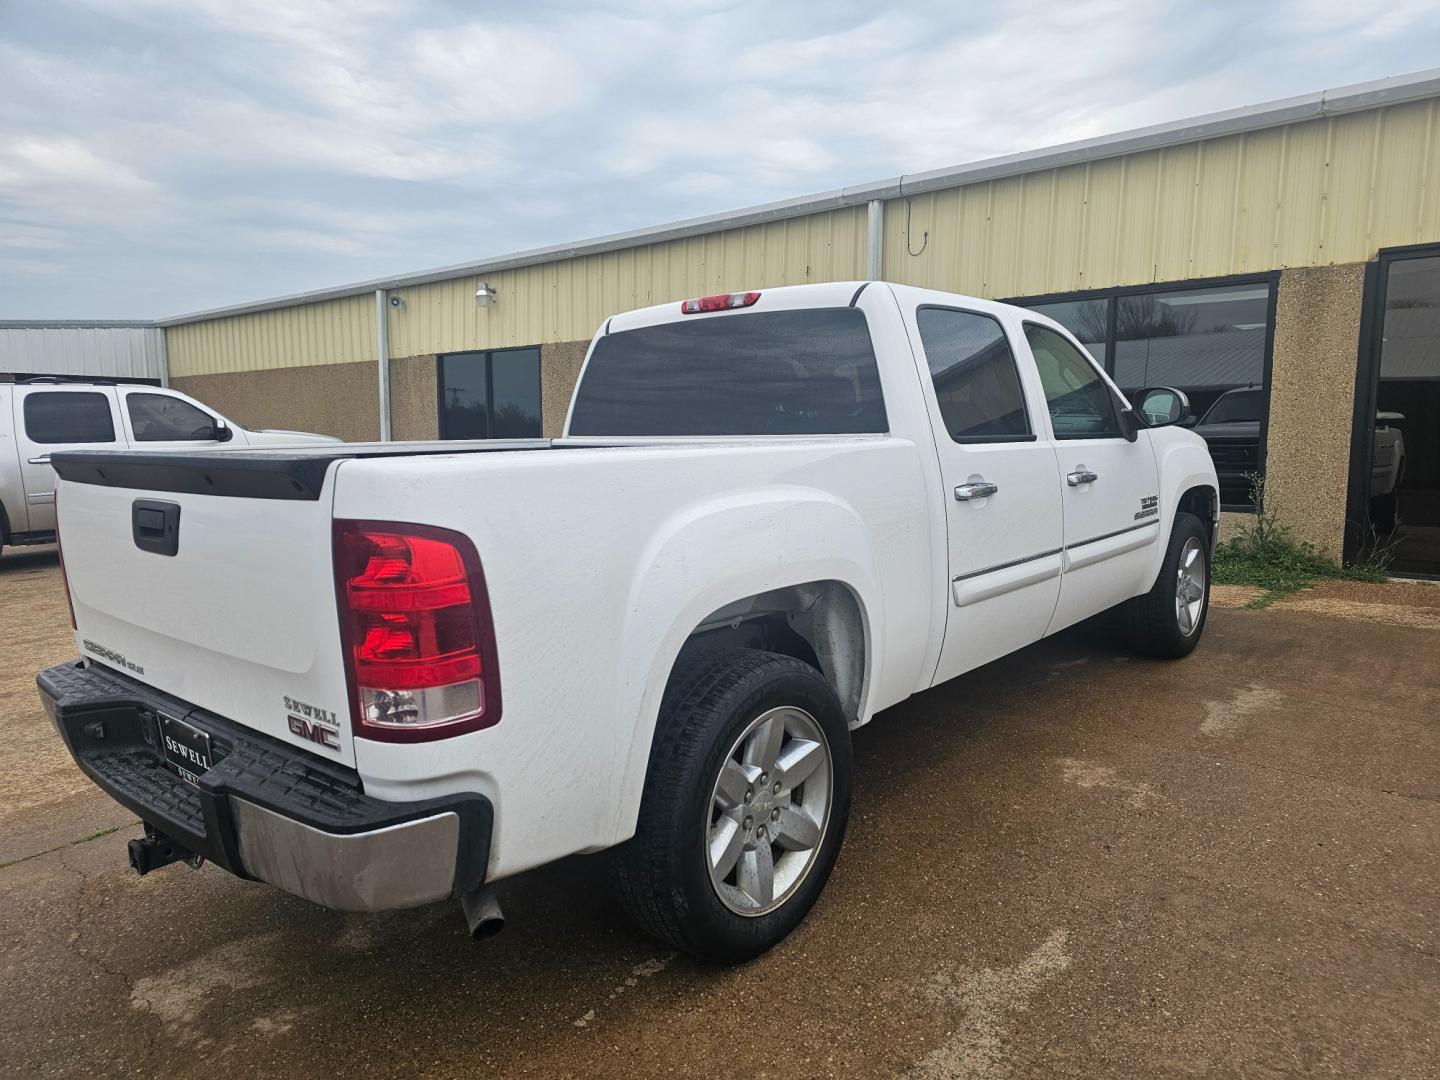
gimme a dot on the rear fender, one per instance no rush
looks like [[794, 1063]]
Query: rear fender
[[737, 547]]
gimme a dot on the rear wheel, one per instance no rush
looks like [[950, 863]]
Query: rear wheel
[[745, 805], [1168, 620]]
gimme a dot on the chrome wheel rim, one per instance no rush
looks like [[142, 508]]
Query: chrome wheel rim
[[769, 811], [1190, 587]]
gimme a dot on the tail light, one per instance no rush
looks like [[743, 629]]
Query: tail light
[[721, 302], [416, 630]]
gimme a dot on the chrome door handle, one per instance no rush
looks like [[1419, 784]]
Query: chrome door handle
[[43, 459], [981, 490], [1084, 476]]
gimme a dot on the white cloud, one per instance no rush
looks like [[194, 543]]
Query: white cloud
[[167, 155]]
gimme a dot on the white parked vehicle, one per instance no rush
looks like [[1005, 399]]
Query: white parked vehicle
[[41, 416], [382, 675]]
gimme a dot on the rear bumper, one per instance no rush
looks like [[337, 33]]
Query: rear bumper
[[265, 810]]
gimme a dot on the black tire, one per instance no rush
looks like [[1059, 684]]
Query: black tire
[[662, 874], [1151, 624]]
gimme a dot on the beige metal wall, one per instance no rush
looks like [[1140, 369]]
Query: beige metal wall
[[554, 302], [567, 301], [1312, 194], [331, 332], [1317, 193]]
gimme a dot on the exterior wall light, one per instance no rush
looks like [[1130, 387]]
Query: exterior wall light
[[485, 294]]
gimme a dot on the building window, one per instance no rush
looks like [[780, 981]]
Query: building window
[[490, 395], [1211, 341]]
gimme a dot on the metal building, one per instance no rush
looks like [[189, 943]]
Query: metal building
[[1253, 248], [106, 350]]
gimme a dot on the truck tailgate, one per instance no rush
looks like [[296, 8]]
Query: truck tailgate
[[240, 620]]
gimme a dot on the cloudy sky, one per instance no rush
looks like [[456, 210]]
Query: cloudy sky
[[163, 156]]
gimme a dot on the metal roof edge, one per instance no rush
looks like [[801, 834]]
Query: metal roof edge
[[79, 324], [1357, 97]]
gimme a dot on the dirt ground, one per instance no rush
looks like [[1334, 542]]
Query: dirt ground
[[1080, 865]]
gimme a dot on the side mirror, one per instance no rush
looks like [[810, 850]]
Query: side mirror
[[1162, 405], [223, 431], [1187, 421]]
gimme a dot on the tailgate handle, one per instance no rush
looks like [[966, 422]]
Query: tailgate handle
[[156, 526]]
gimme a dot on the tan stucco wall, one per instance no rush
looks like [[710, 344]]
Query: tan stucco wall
[[414, 407], [332, 399], [340, 399], [559, 371], [1312, 395]]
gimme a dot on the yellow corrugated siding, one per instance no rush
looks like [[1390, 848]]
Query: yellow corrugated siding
[[1325, 191], [568, 300], [1319, 192], [330, 332]]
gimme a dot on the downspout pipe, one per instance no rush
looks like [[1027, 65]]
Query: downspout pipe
[[875, 241], [382, 358]]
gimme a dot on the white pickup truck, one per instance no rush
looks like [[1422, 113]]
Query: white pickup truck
[[382, 675]]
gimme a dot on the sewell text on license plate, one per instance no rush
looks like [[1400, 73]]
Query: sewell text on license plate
[[186, 747]]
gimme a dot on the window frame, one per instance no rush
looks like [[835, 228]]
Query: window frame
[[1111, 391], [115, 431], [1026, 404], [1269, 278], [487, 356]]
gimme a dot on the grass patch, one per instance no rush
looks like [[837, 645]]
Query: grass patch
[[1264, 555]]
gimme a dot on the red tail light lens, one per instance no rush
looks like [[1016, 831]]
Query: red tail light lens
[[720, 302], [416, 629]]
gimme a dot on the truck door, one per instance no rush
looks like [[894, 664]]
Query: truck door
[[1109, 484], [51, 418], [1001, 492]]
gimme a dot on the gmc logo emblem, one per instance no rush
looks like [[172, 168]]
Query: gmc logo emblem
[[316, 733]]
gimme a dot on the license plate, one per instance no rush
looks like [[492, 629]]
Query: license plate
[[187, 748]]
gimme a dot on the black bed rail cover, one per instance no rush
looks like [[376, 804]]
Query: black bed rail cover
[[280, 473]]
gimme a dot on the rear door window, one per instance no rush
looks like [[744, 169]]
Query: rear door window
[[68, 416], [976, 381], [805, 372]]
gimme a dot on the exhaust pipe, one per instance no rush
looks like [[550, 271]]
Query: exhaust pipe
[[482, 913]]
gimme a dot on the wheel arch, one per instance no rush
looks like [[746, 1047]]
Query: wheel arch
[[715, 569]]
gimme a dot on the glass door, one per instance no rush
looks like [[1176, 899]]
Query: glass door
[[1403, 479]]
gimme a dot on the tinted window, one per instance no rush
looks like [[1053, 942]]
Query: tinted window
[[68, 417], [160, 418], [490, 395], [757, 373], [1079, 401], [515, 389], [1088, 320], [974, 374], [1236, 407]]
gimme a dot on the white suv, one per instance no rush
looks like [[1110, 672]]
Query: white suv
[[41, 416]]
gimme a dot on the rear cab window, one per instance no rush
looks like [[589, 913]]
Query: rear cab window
[[68, 416], [809, 371]]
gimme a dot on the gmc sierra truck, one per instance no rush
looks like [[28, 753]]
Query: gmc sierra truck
[[379, 676]]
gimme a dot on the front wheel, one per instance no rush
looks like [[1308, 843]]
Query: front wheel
[[745, 805], [1168, 620]]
